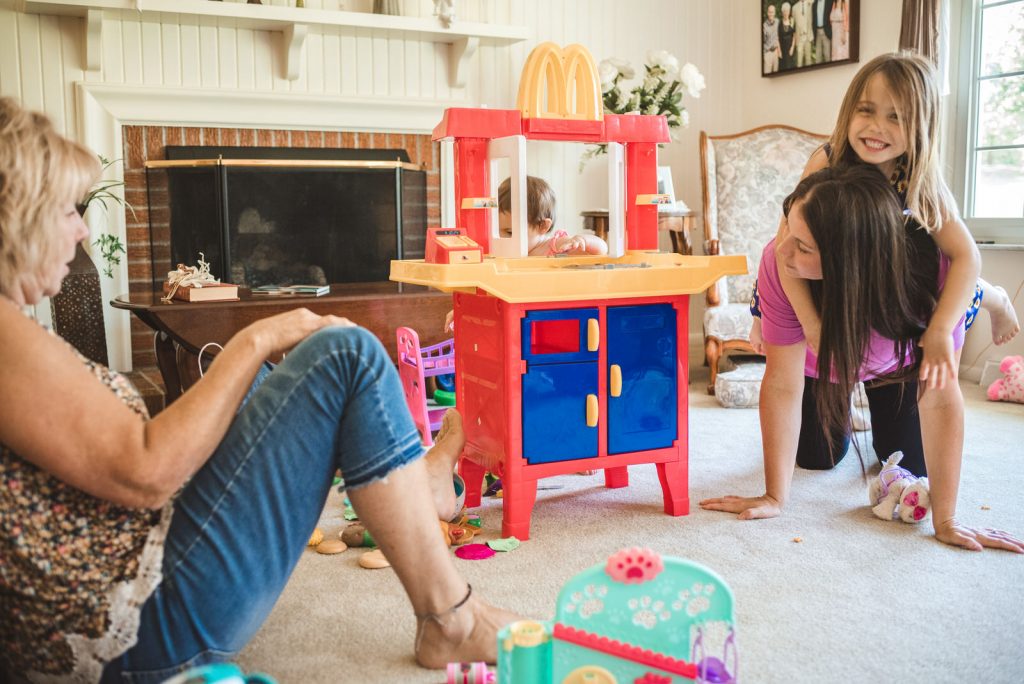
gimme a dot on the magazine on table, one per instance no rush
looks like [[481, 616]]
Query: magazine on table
[[292, 290]]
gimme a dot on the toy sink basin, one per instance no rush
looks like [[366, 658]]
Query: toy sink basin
[[561, 279]]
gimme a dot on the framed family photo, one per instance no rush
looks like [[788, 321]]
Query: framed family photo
[[797, 35]]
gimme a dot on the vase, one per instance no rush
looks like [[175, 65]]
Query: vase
[[78, 308]]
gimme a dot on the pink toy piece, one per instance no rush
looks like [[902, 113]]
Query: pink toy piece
[[415, 365], [1010, 387], [634, 566], [652, 678], [474, 552], [469, 673], [619, 649]]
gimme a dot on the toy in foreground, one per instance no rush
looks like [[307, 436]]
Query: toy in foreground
[[639, 617], [897, 491], [1011, 386]]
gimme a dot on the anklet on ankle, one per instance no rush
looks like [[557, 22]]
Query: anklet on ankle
[[439, 618]]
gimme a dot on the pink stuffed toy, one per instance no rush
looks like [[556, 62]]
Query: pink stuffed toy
[[896, 492], [1011, 387]]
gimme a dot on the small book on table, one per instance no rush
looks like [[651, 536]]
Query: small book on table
[[209, 292]]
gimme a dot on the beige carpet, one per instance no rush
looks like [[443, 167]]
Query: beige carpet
[[858, 600]]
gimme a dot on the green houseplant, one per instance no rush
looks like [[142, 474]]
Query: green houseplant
[[110, 246], [77, 310]]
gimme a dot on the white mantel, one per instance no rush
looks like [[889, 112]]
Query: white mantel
[[461, 37]]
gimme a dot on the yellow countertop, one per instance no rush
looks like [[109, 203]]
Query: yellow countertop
[[561, 279]]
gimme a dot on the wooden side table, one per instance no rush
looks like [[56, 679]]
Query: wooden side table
[[679, 224], [183, 328]]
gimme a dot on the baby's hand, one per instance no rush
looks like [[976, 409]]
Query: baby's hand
[[938, 361], [449, 321], [571, 244]]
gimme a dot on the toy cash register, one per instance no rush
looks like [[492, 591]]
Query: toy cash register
[[451, 246]]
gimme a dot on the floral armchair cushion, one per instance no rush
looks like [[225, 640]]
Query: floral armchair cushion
[[728, 321], [748, 177]]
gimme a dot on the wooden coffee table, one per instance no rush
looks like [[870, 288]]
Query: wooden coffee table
[[183, 328]]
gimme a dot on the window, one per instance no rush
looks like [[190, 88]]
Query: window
[[992, 95]]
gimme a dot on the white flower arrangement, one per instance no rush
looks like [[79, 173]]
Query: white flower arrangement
[[660, 92]]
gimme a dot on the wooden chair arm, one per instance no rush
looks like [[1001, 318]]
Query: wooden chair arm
[[711, 298]]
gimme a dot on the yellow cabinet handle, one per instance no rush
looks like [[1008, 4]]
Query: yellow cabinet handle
[[616, 380], [591, 410], [593, 334]]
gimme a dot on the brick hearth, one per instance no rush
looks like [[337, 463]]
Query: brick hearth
[[143, 143]]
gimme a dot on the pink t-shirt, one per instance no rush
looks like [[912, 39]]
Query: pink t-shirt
[[780, 326]]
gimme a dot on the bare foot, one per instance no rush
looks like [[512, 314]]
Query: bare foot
[[441, 460], [468, 635], [1005, 325]]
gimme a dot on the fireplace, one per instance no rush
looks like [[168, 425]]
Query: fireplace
[[148, 228], [281, 216]]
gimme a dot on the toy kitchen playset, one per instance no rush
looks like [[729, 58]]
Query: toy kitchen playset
[[564, 363]]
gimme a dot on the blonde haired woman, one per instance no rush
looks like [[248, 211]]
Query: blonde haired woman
[[128, 546]]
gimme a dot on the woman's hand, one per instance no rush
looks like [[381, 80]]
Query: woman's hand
[[975, 539], [277, 334], [938, 362], [748, 508]]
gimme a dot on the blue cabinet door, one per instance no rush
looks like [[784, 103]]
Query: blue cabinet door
[[559, 336], [642, 344], [555, 412]]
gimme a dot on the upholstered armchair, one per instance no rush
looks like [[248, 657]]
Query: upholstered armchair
[[745, 177]]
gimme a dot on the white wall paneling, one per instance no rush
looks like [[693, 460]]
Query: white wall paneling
[[178, 63]]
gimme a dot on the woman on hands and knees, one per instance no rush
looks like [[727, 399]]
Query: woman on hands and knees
[[875, 283]]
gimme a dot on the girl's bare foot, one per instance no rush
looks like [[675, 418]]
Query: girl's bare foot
[[441, 460], [467, 635], [1005, 325]]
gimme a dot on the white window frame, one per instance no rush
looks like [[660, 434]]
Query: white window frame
[[964, 130]]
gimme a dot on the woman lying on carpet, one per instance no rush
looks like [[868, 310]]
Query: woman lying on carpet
[[139, 547], [875, 285]]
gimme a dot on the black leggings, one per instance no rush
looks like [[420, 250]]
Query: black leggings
[[895, 426]]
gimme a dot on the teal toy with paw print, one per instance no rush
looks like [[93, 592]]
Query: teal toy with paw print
[[639, 618], [220, 673]]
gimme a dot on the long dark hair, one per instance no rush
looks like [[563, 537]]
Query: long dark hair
[[877, 275]]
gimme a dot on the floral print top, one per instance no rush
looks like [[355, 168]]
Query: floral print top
[[74, 570]]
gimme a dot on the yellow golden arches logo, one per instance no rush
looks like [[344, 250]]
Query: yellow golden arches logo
[[560, 83]]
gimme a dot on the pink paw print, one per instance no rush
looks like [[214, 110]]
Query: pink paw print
[[911, 501], [634, 566]]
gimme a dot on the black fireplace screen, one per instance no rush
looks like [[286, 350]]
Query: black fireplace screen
[[281, 216]]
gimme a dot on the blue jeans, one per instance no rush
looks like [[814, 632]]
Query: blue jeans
[[241, 523]]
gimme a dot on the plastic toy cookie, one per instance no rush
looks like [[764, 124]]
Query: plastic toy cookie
[[590, 674], [374, 560], [331, 546]]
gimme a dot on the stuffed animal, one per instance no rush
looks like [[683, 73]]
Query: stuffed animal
[[1011, 387], [897, 491]]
